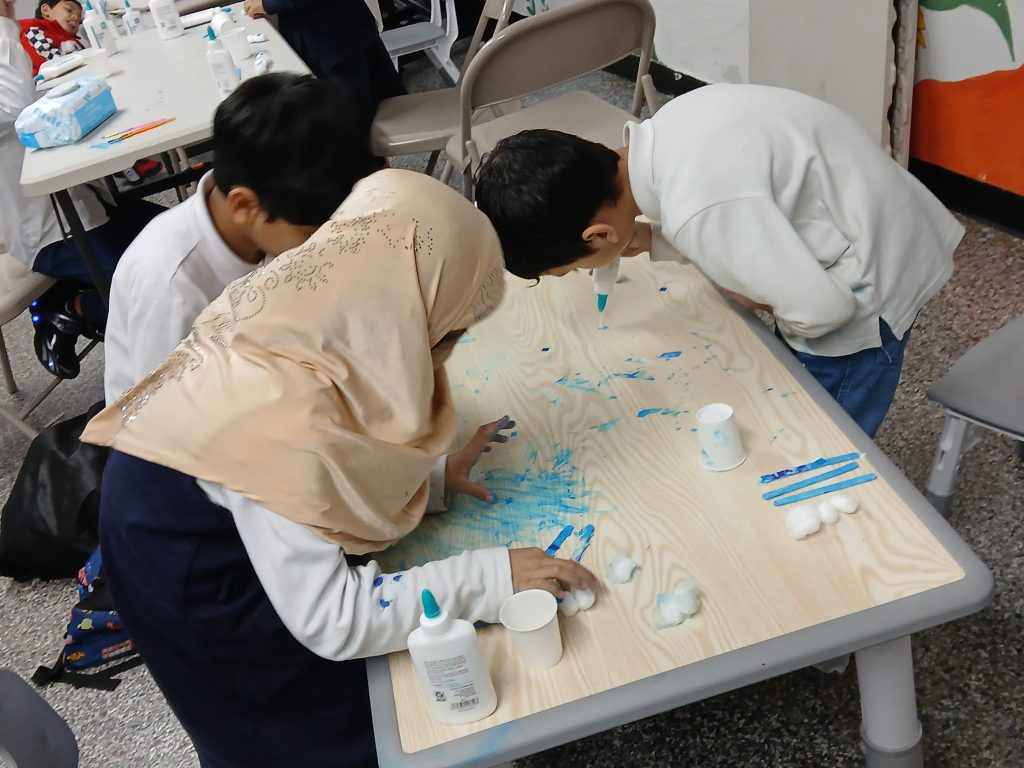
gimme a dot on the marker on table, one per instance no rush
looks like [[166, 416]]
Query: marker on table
[[825, 489], [817, 464]]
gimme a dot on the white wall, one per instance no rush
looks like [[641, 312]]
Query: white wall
[[25, 9]]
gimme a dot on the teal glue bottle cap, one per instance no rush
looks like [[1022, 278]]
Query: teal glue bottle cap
[[210, 34], [430, 607]]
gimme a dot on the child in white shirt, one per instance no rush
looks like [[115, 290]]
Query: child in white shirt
[[783, 201]]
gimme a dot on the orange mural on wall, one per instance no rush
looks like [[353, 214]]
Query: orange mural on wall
[[968, 121]]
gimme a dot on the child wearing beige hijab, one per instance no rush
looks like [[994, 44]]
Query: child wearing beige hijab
[[296, 424]]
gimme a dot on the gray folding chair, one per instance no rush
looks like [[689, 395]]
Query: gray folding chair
[[983, 391], [32, 735], [543, 51], [424, 122]]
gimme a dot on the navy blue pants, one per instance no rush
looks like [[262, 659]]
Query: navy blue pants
[[246, 691], [63, 261], [863, 383]]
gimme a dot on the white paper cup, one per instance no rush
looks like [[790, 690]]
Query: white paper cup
[[531, 618], [97, 61], [237, 44], [721, 447]]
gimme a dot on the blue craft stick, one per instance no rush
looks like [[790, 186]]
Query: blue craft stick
[[559, 540], [826, 489], [817, 464], [811, 481], [586, 534]]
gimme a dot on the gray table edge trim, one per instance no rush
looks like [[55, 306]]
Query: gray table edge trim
[[721, 673]]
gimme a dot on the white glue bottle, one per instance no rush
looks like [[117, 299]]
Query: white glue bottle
[[225, 73], [132, 19], [165, 16], [604, 282], [451, 669], [97, 31]]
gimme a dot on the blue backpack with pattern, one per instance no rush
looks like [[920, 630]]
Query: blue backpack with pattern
[[95, 636]]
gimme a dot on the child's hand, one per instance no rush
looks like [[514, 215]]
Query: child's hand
[[641, 240], [532, 569], [460, 464], [253, 9]]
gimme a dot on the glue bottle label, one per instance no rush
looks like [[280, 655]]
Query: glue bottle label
[[452, 683]]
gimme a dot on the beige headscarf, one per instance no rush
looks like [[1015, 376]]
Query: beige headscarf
[[308, 385]]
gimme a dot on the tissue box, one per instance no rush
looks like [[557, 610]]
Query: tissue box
[[66, 113]]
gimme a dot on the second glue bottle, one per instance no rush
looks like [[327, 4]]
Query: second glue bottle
[[450, 667], [225, 73]]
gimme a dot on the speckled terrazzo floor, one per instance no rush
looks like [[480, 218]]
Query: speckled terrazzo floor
[[969, 673]]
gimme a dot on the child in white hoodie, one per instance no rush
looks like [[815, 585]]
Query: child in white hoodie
[[783, 201]]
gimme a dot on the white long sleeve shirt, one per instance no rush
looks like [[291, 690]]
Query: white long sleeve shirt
[[786, 200], [343, 612], [27, 224]]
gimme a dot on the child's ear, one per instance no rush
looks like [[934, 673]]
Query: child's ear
[[244, 206], [599, 231]]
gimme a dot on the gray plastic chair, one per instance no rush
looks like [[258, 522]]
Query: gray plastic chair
[[983, 391], [425, 121], [32, 735], [546, 50]]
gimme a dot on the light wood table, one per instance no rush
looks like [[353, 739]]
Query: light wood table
[[152, 79], [588, 449]]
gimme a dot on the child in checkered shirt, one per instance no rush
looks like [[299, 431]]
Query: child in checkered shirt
[[53, 32]]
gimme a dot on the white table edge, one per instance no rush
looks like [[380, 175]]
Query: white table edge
[[721, 673]]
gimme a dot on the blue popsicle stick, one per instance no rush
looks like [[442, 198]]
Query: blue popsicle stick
[[559, 540], [816, 464], [810, 481], [826, 489]]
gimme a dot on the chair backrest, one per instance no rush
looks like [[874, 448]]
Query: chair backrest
[[31, 733], [499, 11], [556, 46]]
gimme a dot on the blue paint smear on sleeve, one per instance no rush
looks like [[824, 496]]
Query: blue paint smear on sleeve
[[397, 577], [378, 581], [384, 604]]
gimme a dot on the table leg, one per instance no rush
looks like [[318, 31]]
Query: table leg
[[890, 729], [99, 279]]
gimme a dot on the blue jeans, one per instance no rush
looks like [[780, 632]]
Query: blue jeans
[[863, 383]]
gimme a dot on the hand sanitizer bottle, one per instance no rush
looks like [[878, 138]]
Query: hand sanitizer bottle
[[225, 73], [452, 672]]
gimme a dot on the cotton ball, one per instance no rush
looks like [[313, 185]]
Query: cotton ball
[[844, 502], [802, 521], [569, 605], [621, 569], [675, 607], [585, 598], [827, 512]]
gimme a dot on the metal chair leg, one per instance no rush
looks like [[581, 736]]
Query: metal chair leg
[[956, 439], [5, 367]]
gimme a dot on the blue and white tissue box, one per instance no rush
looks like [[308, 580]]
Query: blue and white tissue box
[[66, 113]]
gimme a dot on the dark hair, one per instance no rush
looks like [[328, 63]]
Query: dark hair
[[541, 189], [51, 4], [296, 142]]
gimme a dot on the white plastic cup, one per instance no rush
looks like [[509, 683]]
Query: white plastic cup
[[235, 40], [97, 62], [531, 618], [721, 447]]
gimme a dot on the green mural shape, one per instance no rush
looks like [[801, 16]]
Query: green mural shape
[[994, 9]]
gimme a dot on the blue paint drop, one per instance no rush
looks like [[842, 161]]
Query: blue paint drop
[[513, 433], [378, 581], [545, 349], [606, 426], [693, 429], [642, 414], [466, 339], [669, 355], [663, 289], [384, 604], [398, 577], [770, 389]]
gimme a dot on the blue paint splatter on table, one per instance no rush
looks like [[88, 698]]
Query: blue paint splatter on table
[[466, 339], [534, 502], [644, 413], [670, 355], [606, 426], [663, 289]]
